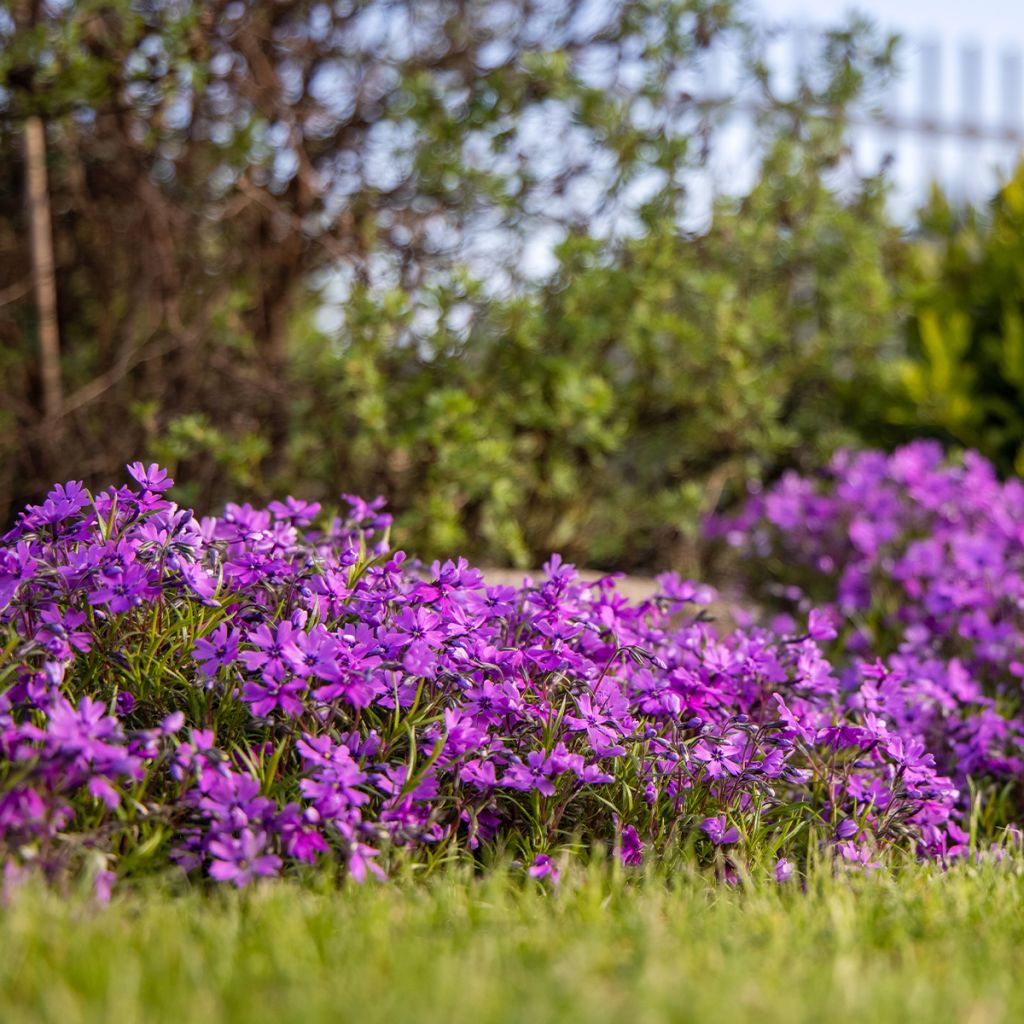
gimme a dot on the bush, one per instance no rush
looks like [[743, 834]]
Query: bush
[[962, 379], [248, 694], [608, 410]]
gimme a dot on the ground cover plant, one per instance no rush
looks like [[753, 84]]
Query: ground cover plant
[[920, 558], [262, 692]]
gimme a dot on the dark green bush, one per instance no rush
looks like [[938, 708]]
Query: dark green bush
[[604, 412]]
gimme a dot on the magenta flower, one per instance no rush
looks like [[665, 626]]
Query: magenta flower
[[217, 651], [820, 626], [534, 774], [719, 831], [719, 759], [121, 588], [241, 859], [631, 850], [151, 478], [275, 691], [544, 867]]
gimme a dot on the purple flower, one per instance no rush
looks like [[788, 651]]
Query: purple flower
[[720, 759], [121, 588], [276, 691], [544, 867], [534, 774], [240, 859], [151, 478], [719, 831], [217, 651], [820, 626], [631, 850], [295, 511], [783, 870]]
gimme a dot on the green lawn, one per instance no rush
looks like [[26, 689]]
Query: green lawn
[[923, 946]]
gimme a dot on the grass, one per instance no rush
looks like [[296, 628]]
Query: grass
[[918, 946]]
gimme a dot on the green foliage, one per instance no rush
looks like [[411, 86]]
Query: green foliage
[[963, 377], [606, 410], [209, 162], [209, 191]]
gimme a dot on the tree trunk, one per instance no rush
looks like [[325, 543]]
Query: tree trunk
[[44, 281]]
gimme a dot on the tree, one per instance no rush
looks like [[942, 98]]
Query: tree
[[210, 161]]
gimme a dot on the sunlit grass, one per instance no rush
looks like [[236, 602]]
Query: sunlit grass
[[917, 945]]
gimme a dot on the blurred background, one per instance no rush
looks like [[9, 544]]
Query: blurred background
[[548, 274]]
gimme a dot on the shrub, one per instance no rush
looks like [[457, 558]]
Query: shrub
[[656, 375], [962, 378]]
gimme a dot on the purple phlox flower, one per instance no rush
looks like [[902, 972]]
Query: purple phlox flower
[[813, 671], [720, 759], [232, 799], [172, 723], [846, 829], [102, 789], [241, 859], [463, 733], [360, 860], [269, 644], [558, 571], [489, 701], [861, 855], [411, 624], [313, 653], [295, 511], [218, 650], [544, 867], [63, 502], [795, 721], [121, 588], [276, 691], [682, 592], [911, 757], [598, 725], [300, 835], [821, 625], [718, 830], [151, 478], [334, 779], [631, 851], [493, 603], [103, 883], [61, 633], [202, 583], [331, 591], [783, 870], [448, 578], [17, 566], [86, 731], [420, 659], [534, 774], [478, 773]]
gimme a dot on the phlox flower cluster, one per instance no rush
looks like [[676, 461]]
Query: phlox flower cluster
[[275, 690], [921, 560]]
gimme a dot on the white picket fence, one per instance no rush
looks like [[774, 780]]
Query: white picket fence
[[954, 116]]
